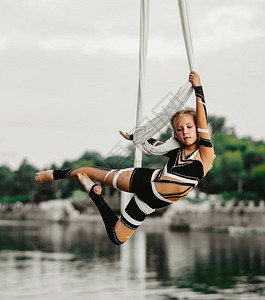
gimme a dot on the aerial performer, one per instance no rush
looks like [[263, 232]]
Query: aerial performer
[[188, 162]]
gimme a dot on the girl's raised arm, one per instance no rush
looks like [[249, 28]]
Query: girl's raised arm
[[204, 138]]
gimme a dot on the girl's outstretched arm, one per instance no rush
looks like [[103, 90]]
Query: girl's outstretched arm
[[204, 137]]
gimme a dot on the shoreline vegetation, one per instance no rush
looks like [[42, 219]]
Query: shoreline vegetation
[[235, 184]]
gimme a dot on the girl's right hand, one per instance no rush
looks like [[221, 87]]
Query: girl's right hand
[[125, 135], [194, 78]]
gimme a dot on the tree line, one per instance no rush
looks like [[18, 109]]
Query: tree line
[[238, 170]]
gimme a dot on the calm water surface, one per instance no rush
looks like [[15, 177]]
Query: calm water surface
[[76, 261]]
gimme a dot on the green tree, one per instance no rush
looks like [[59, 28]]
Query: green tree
[[223, 142], [226, 174], [257, 179], [253, 156], [67, 187], [6, 181], [43, 192], [23, 182], [217, 124]]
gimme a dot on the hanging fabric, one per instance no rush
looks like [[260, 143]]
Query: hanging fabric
[[148, 130], [144, 26]]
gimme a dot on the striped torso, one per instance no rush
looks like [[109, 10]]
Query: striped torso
[[179, 176]]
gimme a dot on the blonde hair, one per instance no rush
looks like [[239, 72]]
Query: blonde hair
[[178, 115]]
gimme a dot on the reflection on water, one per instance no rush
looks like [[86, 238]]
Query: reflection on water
[[76, 261]]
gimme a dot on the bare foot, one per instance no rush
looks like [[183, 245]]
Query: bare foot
[[44, 176], [88, 183]]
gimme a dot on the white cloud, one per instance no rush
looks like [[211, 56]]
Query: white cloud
[[119, 44], [227, 26], [220, 28], [159, 47]]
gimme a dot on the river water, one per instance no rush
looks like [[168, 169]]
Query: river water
[[76, 261]]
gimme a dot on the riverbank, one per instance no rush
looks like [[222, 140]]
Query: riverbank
[[183, 216], [217, 216]]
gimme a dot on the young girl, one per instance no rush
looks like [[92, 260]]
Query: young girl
[[188, 163]]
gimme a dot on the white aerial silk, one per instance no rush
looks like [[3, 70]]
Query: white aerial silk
[[163, 148], [149, 129], [144, 26]]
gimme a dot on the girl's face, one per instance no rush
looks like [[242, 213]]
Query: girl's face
[[186, 130]]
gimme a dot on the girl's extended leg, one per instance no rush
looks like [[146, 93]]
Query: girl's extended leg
[[117, 178], [118, 230]]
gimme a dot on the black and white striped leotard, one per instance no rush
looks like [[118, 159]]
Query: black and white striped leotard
[[180, 171]]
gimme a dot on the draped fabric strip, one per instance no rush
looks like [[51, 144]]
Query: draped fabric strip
[[149, 129], [184, 13], [144, 26]]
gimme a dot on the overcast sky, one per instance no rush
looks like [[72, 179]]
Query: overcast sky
[[69, 71]]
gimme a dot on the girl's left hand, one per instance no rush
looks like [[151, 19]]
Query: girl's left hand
[[194, 78], [125, 135]]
